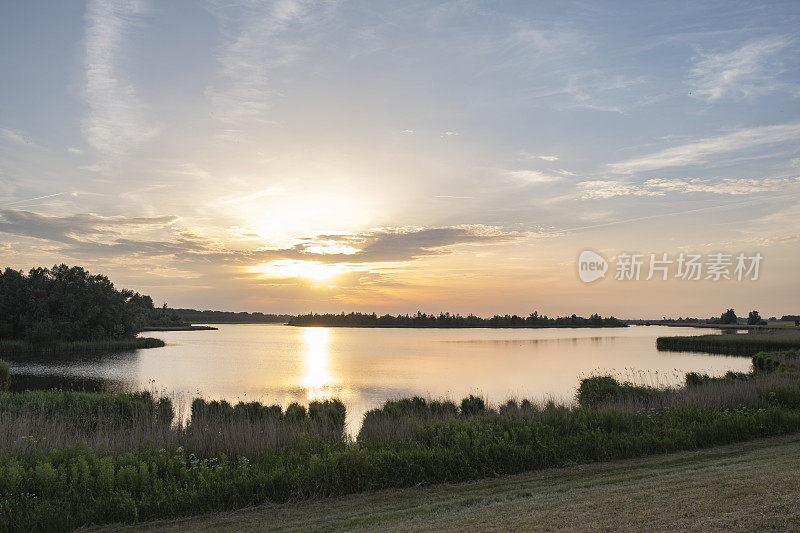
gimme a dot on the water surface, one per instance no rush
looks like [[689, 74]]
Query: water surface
[[365, 366]]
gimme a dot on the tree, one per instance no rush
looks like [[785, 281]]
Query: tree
[[728, 317], [68, 304], [753, 318]]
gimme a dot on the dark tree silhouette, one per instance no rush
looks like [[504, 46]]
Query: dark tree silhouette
[[69, 304], [447, 320], [728, 317]]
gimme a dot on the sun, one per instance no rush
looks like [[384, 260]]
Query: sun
[[287, 268]]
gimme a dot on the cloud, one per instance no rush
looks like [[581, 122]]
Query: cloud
[[750, 70], [703, 150], [599, 189], [15, 136], [533, 176], [258, 38], [543, 157], [74, 229], [97, 237], [595, 89], [116, 119]]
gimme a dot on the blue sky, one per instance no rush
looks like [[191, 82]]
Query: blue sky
[[292, 155]]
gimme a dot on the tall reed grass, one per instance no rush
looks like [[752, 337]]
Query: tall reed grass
[[5, 376], [11, 347], [37, 421], [746, 344]]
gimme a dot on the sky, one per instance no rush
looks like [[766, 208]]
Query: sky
[[459, 156]]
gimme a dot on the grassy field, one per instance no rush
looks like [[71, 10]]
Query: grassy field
[[741, 487]]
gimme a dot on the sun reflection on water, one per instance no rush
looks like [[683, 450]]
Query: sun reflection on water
[[317, 379]]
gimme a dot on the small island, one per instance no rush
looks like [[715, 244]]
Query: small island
[[67, 309]]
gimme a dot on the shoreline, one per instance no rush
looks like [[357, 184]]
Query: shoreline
[[179, 328]]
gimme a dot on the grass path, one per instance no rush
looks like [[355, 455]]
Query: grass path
[[742, 487]]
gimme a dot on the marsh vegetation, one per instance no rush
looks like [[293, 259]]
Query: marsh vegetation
[[72, 459]]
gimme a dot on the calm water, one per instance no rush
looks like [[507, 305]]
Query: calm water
[[364, 367]]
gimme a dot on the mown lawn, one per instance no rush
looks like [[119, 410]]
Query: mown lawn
[[742, 487]]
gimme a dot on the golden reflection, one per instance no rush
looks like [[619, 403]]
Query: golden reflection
[[316, 379]]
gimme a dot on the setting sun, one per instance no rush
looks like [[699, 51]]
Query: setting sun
[[312, 270]]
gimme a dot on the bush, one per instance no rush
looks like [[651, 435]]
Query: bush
[[597, 389], [765, 362], [472, 405]]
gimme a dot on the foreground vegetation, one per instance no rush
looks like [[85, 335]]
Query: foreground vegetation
[[731, 344], [446, 320], [72, 459], [739, 487]]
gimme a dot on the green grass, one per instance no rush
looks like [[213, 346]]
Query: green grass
[[66, 488], [22, 347], [746, 345], [740, 487]]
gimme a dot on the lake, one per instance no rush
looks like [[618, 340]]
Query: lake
[[365, 366]]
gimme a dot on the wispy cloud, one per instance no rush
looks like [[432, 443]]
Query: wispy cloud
[[598, 189], [543, 157], [116, 119], [703, 150], [750, 70], [14, 136], [533, 176], [73, 229], [257, 39]]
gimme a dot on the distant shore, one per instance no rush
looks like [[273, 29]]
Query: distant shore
[[178, 328], [392, 326]]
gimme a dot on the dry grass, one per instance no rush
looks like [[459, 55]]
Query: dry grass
[[743, 487], [35, 431], [20, 434]]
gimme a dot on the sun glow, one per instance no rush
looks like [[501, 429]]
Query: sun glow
[[287, 268]]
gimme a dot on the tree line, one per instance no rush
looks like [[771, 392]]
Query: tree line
[[228, 317], [447, 320], [66, 303]]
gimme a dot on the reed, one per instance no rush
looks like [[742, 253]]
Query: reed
[[5, 376], [746, 345], [11, 347]]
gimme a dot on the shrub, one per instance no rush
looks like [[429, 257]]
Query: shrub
[[766, 362], [472, 405], [597, 389]]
